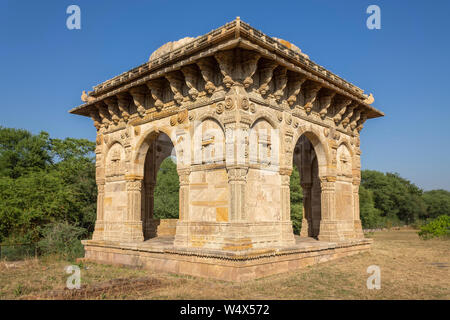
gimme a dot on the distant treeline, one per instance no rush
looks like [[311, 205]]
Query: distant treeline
[[48, 192]]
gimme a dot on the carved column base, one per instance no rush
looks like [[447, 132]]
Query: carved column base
[[181, 235], [304, 230], [132, 231], [330, 231], [99, 233], [287, 234], [358, 229]]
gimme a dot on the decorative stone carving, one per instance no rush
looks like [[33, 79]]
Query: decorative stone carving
[[96, 118], [156, 90], [104, 114], [123, 103], [348, 114], [86, 97], [265, 75], [138, 94], [312, 89], [191, 77], [360, 123], [280, 78], [355, 119], [113, 109], [369, 100], [325, 102], [220, 108], [341, 107], [176, 85], [225, 60], [249, 67], [206, 66], [295, 84]]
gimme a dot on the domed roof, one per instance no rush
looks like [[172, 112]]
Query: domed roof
[[291, 46], [169, 46]]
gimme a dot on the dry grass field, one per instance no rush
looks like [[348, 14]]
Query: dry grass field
[[410, 269]]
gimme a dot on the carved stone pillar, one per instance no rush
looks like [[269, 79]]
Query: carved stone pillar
[[356, 213], [305, 231], [236, 180], [287, 234], [182, 231], [285, 175], [329, 229], [99, 222], [132, 231], [183, 175], [147, 212]]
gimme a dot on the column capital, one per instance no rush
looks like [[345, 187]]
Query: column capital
[[133, 177], [237, 173]]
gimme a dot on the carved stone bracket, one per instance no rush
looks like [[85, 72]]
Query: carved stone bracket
[[280, 78], [225, 60], [138, 95], [96, 118], [207, 70], [123, 102], [176, 85], [295, 84], [341, 107], [312, 89], [191, 77], [249, 65], [325, 102], [355, 118], [156, 90], [104, 114], [113, 109], [360, 123], [265, 76], [349, 114]]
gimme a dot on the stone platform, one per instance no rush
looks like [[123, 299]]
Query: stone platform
[[159, 254]]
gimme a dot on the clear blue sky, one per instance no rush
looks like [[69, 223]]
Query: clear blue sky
[[44, 66]]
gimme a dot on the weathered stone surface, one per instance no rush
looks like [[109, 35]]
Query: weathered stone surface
[[236, 109]]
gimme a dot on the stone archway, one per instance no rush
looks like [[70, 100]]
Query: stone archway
[[160, 148], [306, 161]]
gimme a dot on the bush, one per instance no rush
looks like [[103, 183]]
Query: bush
[[439, 227], [63, 240]]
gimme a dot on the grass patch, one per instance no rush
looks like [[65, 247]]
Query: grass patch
[[410, 269]]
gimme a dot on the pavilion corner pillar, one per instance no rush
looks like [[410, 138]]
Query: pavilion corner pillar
[[329, 226], [132, 227], [182, 230], [287, 234], [357, 225], [99, 231]]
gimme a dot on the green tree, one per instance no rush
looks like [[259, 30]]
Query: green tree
[[22, 152], [397, 198], [166, 196], [370, 216], [437, 203], [43, 180], [296, 197]]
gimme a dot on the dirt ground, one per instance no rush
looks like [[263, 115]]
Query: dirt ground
[[411, 268]]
